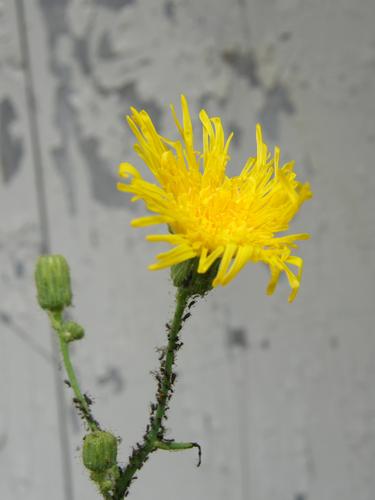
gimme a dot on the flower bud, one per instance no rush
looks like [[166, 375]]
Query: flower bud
[[52, 279], [99, 451], [72, 331]]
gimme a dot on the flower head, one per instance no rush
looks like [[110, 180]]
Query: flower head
[[211, 216]]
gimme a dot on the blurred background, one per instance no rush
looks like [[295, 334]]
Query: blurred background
[[281, 397]]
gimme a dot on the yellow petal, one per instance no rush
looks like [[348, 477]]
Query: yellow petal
[[226, 259], [276, 160], [174, 256], [126, 169], [169, 238], [261, 147], [298, 262], [275, 274], [242, 258], [149, 221], [205, 262], [293, 282]]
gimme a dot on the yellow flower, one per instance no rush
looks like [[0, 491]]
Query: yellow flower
[[211, 216]]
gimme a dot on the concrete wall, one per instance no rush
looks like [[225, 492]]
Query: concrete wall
[[280, 396]]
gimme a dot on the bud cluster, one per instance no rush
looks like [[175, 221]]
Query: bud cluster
[[99, 454]]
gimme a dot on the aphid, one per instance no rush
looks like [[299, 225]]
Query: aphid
[[88, 399]]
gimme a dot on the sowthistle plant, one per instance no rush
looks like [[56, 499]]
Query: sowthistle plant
[[216, 225]]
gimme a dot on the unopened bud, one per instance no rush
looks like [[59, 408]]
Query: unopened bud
[[72, 331], [99, 451], [52, 279]]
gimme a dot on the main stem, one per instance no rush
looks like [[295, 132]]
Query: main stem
[[165, 389], [165, 377]]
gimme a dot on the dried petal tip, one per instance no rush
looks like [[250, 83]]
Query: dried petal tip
[[99, 451], [72, 331], [52, 279]]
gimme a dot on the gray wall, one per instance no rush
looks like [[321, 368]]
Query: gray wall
[[280, 396]]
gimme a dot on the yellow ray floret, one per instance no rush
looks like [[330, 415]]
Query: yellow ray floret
[[209, 215]]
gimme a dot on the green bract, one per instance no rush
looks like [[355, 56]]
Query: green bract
[[185, 275]]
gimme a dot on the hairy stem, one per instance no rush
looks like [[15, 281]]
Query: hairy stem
[[79, 398], [155, 430]]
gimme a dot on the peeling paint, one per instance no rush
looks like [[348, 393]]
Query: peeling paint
[[103, 182], [56, 26], [129, 95], [72, 130], [63, 165], [113, 378], [81, 54], [237, 131], [300, 496], [105, 49], [19, 269], [277, 101], [265, 344], [170, 10], [3, 440], [55, 19], [244, 64], [237, 337], [285, 36], [11, 147]]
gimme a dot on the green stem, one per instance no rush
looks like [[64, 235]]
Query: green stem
[[155, 431], [75, 386], [166, 372], [57, 324]]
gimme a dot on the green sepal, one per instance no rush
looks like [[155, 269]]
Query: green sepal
[[185, 275]]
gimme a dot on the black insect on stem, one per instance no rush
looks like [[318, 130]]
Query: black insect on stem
[[88, 400]]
